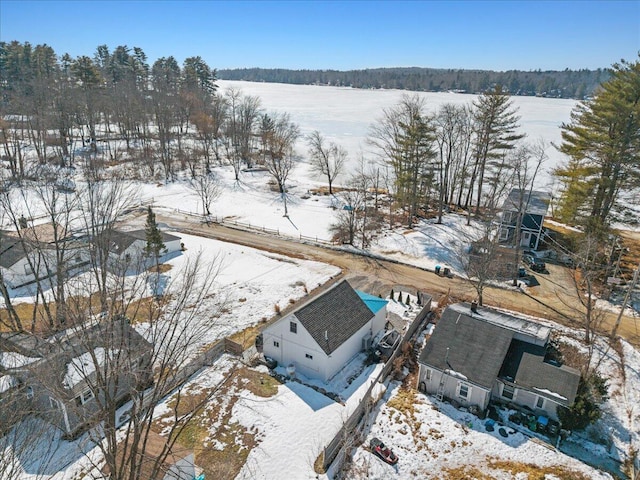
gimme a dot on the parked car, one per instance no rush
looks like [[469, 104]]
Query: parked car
[[381, 450], [534, 263]]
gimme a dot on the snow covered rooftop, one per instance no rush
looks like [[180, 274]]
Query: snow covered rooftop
[[7, 382], [504, 320], [81, 367], [15, 360]]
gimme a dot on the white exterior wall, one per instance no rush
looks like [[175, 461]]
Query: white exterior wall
[[173, 246], [529, 399], [16, 275], [293, 348], [379, 321], [341, 356], [478, 396]]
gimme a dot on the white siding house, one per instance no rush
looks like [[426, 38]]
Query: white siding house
[[322, 336], [128, 248], [31, 255], [476, 355]]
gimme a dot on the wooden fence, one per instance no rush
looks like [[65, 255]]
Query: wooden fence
[[336, 451]]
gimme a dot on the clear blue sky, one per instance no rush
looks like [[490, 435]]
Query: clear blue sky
[[500, 35]]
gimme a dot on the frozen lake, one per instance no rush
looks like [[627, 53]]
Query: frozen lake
[[344, 114]]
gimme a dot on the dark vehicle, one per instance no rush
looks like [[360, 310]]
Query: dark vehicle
[[381, 450], [534, 263], [271, 363]]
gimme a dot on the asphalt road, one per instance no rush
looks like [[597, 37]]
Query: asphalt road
[[554, 298]]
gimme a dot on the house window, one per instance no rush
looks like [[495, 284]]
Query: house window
[[276, 344], [508, 391], [78, 258], [504, 234], [293, 327], [464, 390], [540, 402], [84, 397], [310, 357], [54, 403], [427, 374], [29, 392], [28, 270]]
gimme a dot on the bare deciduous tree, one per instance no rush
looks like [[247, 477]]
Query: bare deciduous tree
[[280, 137], [207, 188], [326, 158]]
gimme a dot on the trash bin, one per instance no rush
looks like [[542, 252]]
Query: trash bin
[[447, 271], [437, 269]]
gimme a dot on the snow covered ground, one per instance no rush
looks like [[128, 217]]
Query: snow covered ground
[[344, 114], [257, 280]]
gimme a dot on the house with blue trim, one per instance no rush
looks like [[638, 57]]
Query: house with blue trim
[[324, 334]]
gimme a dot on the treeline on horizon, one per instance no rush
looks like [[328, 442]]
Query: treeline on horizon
[[577, 84]]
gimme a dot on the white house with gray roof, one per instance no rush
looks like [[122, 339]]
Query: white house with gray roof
[[322, 336], [477, 354], [127, 248]]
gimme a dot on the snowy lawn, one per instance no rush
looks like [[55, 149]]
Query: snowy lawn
[[435, 440]]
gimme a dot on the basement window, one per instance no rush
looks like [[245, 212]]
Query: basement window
[[508, 391], [464, 390]]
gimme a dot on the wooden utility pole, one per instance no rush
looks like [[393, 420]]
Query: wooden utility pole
[[626, 299]]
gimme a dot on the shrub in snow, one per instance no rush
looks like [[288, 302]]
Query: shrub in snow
[[592, 392]]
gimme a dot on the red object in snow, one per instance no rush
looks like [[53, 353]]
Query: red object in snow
[[382, 451]]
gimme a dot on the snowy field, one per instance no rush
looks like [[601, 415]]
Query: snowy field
[[248, 284]]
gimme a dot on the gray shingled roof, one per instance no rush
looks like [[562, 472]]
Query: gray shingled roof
[[534, 373], [476, 349], [12, 251], [120, 240], [339, 312], [536, 202]]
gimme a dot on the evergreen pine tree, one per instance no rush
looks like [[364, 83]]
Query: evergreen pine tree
[[154, 245], [602, 142]]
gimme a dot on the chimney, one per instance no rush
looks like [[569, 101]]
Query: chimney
[[474, 306]]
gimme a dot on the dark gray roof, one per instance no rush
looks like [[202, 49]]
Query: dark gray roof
[[12, 250], [557, 383], [339, 312], [142, 235], [120, 241], [476, 349], [536, 202]]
